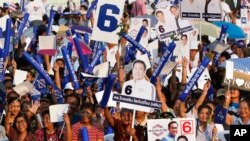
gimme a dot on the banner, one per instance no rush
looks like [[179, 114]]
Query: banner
[[68, 63], [107, 17], [82, 60], [158, 129], [194, 79]]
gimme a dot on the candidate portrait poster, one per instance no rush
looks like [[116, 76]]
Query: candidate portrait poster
[[135, 26], [170, 23], [138, 93], [201, 9], [178, 127]]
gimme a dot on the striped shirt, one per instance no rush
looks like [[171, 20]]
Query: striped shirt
[[95, 132]]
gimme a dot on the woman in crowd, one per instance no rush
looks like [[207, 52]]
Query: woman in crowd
[[50, 131], [21, 129], [244, 114]]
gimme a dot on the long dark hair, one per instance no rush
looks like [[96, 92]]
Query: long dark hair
[[26, 120]]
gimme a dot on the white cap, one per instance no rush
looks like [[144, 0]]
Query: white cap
[[68, 86], [194, 45]]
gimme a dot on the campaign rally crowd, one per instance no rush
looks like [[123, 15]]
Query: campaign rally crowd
[[119, 70]]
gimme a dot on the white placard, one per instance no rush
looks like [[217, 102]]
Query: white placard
[[107, 17], [196, 10], [229, 69], [139, 88], [47, 45], [99, 71], [19, 76], [56, 112], [23, 88], [158, 128], [134, 29]]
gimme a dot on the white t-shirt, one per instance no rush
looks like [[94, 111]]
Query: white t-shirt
[[36, 10]]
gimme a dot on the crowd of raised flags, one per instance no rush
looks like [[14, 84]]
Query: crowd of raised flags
[[63, 70]]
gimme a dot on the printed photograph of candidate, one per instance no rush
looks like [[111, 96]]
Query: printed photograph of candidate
[[138, 86]]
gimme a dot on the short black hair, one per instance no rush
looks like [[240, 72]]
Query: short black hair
[[123, 110], [140, 62], [182, 137], [145, 20], [226, 55], [75, 96], [157, 12], [26, 120], [204, 106], [171, 122]]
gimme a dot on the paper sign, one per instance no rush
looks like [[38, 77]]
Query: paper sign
[[47, 45], [200, 9], [138, 88], [218, 47], [111, 55], [240, 80], [134, 29], [19, 76], [168, 68], [23, 88], [170, 24], [107, 17], [229, 69], [99, 71], [158, 128], [153, 49], [56, 112], [99, 96]]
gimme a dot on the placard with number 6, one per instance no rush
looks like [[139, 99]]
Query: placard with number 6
[[107, 17], [166, 129]]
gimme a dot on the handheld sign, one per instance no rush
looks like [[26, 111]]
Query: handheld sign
[[108, 14], [194, 79], [158, 129]]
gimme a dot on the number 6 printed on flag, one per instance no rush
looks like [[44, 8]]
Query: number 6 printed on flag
[[108, 15]]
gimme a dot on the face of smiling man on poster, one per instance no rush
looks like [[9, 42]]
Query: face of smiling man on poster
[[138, 87]]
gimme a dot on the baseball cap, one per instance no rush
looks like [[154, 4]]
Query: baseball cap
[[220, 92]]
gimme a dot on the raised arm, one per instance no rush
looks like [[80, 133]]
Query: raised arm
[[203, 95], [160, 95], [109, 117]]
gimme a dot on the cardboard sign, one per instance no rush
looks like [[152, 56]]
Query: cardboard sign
[[218, 47], [240, 80], [201, 9], [107, 17], [137, 91], [56, 112], [20, 76], [47, 45], [135, 26], [158, 128], [170, 23]]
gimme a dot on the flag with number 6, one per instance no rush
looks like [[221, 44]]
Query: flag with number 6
[[107, 17]]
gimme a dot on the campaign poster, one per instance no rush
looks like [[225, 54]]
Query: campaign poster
[[138, 93], [135, 26], [201, 9], [170, 23], [167, 129]]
